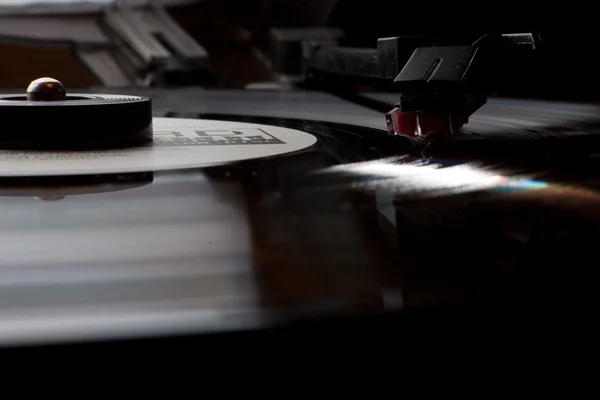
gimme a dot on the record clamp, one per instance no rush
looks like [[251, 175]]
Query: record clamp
[[47, 117]]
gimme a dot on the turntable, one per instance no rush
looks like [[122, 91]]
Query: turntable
[[185, 212]]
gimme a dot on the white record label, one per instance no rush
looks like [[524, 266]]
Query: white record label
[[178, 143]]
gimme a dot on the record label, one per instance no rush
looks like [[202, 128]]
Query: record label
[[178, 143]]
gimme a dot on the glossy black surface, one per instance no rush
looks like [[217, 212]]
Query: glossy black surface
[[344, 229], [75, 121]]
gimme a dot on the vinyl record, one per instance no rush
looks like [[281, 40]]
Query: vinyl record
[[177, 144], [288, 221], [166, 240]]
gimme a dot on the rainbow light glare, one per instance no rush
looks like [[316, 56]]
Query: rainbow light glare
[[418, 176]]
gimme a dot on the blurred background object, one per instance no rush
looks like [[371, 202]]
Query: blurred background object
[[145, 43], [230, 43], [46, 7]]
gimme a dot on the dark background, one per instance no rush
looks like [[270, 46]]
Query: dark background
[[236, 34], [566, 66]]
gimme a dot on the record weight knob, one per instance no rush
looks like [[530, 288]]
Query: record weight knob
[[47, 118], [46, 89]]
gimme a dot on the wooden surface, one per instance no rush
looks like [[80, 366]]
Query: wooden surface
[[22, 63]]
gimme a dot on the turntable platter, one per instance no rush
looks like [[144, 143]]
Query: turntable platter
[[325, 219]]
